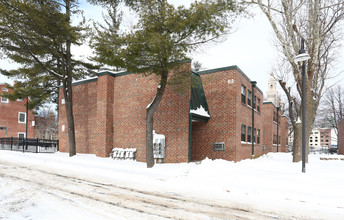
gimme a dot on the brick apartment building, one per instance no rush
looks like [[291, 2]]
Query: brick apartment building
[[212, 119], [13, 117], [341, 137]]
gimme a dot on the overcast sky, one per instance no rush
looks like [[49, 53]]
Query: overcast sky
[[250, 47]]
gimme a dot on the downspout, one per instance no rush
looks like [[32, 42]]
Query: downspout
[[252, 131]]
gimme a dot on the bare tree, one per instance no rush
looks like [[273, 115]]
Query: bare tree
[[318, 23], [332, 108], [46, 124]]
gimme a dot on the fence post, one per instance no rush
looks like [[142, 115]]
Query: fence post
[[23, 144], [37, 145], [11, 143]]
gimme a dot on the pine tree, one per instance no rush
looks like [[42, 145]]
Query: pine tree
[[163, 36], [38, 36]]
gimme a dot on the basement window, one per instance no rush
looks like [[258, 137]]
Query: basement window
[[219, 146]]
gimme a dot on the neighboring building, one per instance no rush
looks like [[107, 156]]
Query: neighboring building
[[13, 117], [340, 141], [314, 139], [320, 138], [211, 120], [325, 137]]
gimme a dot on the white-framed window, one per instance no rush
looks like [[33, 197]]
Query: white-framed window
[[21, 134], [3, 99], [21, 117]]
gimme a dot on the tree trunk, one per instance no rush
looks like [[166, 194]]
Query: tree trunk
[[68, 90], [297, 143], [151, 109]]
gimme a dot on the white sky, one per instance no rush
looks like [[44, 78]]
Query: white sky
[[250, 47]]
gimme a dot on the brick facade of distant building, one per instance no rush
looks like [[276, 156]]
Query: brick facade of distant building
[[341, 137], [110, 111], [13, 117]]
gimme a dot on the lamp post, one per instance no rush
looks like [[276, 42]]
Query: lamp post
[[278, 108], [303, 57], [254, 83]]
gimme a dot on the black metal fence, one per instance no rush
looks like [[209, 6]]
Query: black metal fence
[[34, 145]]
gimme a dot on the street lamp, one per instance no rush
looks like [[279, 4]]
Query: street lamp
[[303, 57]]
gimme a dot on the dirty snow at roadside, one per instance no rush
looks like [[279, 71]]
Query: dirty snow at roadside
[[269, 183]]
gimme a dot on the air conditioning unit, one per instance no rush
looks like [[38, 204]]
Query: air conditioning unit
[[158, 146]]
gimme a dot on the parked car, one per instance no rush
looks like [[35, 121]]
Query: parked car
[[333, 150]]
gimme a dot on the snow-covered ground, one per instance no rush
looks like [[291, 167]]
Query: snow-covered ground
[[271, 183]]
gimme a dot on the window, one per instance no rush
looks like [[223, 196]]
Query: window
[[258, 136], [219, 146], [249, 132], [3, 99], [249, 94], [21, 117], [258, 105], [21, 135], [243, 94], [243, 132], [254, 102], [276, 139]]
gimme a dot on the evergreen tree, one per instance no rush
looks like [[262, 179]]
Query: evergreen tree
[[163, 36], [38, 36]]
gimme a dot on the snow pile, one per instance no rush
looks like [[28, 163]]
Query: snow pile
[[271, 182]]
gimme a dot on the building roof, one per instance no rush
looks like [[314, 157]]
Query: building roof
[[235, 67], [198, 104]]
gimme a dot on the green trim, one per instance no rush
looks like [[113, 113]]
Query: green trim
[[106, 73], [235, 67], [114, 74], [200, 118], [123, 73], [269, 102], [84, 81], [219, 70]]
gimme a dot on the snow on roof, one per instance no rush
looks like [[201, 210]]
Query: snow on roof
[[200, 111]]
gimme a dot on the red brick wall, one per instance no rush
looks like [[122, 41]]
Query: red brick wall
[[111, 111], [341, 137], [270, 129], [227, 114], [9, 118], [133, 93], [284, 134], [85, 111], [221, 126], [244, 117]]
